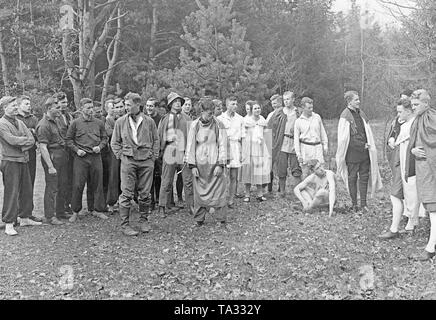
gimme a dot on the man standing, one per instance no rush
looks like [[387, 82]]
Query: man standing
[[135, 141], [86, 137], [63, 123], [207, 156], [153, 113], [54, 160], [15, 141], [234, 125], [283, 152], [310, 138], [356, 155], [422, 151], [173, 132], [404, 195], [115, 110], [25, 115]]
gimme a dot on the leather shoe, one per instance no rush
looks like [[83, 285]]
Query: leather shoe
[[63, 215], [55, 221], [128, 231], [161, 212], [389, 235], [36, 219], [145, 227], [424, 256]]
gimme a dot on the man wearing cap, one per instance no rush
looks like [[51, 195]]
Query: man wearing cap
[[152, 112], [283, 152], [310, 137], [86, 137], [234, 125], [135, 141], [54, 160], [356, 155], [173, 133], [15, 141], [63, 122]]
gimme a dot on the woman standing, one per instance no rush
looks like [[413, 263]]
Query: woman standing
[[256, 162]]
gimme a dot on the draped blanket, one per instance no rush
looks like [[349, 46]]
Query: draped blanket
[[423, 134], [346, 123]]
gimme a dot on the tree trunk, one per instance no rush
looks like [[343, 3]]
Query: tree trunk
[[153, 30], [115, 43], [4, 65]]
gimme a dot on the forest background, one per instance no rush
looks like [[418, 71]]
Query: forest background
[[249, 48]]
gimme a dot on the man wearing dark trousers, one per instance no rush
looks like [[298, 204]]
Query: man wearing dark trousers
[[135, 141], [153, 113], [86, 136], [15, 141], [25, 115], [63, 122], [54, 160], [115, 110], [356, 155]]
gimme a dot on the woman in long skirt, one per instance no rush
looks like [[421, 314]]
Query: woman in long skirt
[[256, 162]]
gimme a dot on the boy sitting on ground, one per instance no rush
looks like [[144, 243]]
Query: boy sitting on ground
[[318, 189]]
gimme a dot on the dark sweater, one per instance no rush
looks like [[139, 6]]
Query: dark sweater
[[356, 151]]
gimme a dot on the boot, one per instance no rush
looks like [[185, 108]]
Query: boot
[[143, 218], [124, 215], [282, 184], [28, 222], [128, 231], [73, 218], [9, 229], [161, 212]]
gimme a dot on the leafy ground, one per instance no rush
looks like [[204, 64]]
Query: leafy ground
[[270, 251]]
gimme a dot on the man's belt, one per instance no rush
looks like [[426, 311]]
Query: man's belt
[[310, 143], [289, 135]]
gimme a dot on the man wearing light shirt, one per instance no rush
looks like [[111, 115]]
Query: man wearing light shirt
[[135, 141], [234, 125], [310, 137]]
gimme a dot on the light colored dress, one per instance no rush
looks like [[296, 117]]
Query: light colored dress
[[256, 152]]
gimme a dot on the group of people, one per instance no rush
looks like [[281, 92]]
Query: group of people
[[126, 152]]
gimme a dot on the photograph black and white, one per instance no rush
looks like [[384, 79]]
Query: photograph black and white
[[217, 150]]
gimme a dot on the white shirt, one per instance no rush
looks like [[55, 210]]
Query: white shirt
[[235, 132], [134, 126], [310, 129]]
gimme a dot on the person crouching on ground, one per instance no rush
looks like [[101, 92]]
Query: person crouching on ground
[[318, 189]]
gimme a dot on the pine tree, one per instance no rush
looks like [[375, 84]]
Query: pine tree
[[218, 61]]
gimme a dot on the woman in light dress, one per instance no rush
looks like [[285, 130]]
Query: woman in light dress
[[256, 159]]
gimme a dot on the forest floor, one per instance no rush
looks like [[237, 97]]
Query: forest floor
[[271, 250]]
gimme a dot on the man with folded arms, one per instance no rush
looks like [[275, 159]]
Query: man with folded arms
[[87, 136], [15, 141]]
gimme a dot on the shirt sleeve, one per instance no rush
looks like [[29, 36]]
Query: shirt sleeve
[[103, 136], [43, 134]]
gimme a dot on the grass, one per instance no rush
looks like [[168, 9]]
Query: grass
[[271, 250]]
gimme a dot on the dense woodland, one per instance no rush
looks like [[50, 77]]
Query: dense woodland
[[250, 48]]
